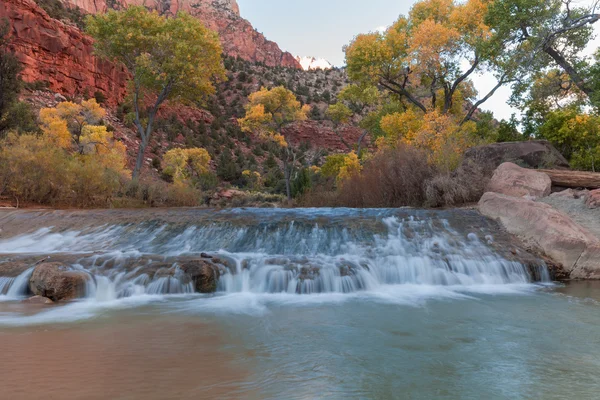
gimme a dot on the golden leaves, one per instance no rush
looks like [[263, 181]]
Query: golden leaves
[[185, 165], [268, 111]]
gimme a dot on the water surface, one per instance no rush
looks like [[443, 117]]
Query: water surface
[[384, 304]]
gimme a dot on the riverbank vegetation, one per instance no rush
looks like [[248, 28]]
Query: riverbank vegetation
[[409, 91]]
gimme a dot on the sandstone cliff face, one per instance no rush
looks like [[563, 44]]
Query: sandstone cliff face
[[59, 54], [238, 37]]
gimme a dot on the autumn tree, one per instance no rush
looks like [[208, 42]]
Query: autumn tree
[[542, 34], [426, 59], [71, 121], [268, 112], [175, 58], [76, 128], [74, 160], [186, 165]]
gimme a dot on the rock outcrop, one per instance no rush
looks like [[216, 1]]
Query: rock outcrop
[[322, 136], [58, 282], [511, 180], [530, 154], [545, 228], [59, 54]]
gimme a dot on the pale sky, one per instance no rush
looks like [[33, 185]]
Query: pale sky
[[320, 28]]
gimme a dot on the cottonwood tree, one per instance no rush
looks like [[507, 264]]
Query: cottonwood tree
[[352, 103], [541, 34], [175, 58], [268, 112], [426, 59]]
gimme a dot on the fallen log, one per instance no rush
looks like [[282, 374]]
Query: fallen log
[[573, 179]]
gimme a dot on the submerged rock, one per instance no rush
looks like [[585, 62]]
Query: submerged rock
[[58, 282], [511, 180], [38, 300]]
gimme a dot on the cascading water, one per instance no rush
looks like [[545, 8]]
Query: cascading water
[[277, 251]]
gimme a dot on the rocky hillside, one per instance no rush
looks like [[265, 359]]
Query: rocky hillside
[[59, 65]]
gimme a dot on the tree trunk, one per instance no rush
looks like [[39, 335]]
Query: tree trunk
[[569, 69], [288, 177], [573, 179], [139, 163]]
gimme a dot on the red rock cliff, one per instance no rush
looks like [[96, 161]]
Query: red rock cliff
[[238, 37], [59, 54]]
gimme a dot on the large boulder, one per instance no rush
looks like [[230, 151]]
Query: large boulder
[[512, 180], [547, 229], [58, 282], [204, 274], [530, 154]]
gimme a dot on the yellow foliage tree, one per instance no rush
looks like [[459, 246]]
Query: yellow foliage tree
[[432, 53], [186, 165], [72, 126], [349, 168], [270, 110], [74, 116], [438, 134], [253, 178]]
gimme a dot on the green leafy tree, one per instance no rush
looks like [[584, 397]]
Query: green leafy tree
[[353, 100], [174, 58], [533, 35], [576, 134]]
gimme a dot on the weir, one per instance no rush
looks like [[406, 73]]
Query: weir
[[301, 251]]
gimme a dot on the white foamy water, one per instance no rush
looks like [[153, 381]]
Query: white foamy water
[[290, 257]]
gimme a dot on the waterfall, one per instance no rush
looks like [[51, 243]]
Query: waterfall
[[280, 251]]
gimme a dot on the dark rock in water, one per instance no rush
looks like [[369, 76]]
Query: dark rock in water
[[309, 272], [204, 274], [38, 300], [58, 282], [530, 154]]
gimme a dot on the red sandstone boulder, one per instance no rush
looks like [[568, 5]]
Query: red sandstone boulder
[[512, 180], [548, 229], [58, 282], [592, 199]]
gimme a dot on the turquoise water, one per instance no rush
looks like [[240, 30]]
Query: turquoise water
[[518, 342]]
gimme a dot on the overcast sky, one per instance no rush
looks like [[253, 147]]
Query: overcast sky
[[320, 28]]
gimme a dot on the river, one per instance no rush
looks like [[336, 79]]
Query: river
[[341, 304]]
